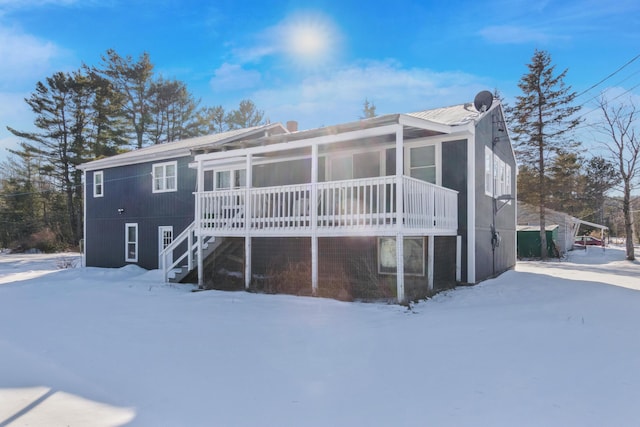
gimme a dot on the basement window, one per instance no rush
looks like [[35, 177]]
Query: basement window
[[413, 256]]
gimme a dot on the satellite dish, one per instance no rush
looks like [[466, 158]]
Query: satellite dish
[[483, 101]]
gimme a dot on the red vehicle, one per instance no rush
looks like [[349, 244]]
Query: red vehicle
[[588, 241]]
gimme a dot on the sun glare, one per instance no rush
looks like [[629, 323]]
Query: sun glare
[[310, 39], [307, 41]]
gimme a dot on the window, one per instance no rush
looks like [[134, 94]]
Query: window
[[355, 166], [500, 172], [413, 256], [165, 177], [165, 236], [131, 242], [488, 171], [341, 168], [230, 179], [422, 163], [98, 184], [497, 175], [507, 185]]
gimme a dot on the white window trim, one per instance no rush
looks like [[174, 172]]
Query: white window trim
[[232, 173], [488, 172], [497, 175], [163, 188], [438, 154], [126, 242], [95, 185]]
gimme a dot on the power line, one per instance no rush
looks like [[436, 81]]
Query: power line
[[609, 76]]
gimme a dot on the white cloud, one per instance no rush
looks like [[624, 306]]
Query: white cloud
[[23, 56], [23, 4], [338, 97], [231, 77]]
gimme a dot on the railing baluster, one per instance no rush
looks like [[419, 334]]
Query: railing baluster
[[360, 203]]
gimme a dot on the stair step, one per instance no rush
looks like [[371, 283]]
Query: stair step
[[235, 258]]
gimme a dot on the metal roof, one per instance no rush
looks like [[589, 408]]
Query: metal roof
[[451, 116], [180, 148], [431, 122]]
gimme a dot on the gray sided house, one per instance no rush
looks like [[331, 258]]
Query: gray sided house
[[136, 203], [396, 206]]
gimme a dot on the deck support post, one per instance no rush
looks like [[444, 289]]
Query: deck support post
[[430, 263], [200, 261], [197, 232], [313, 205], [399, 214], [247, 262], [248, 210], [458, 259], [314, 265]]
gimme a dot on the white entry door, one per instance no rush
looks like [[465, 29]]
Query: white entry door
[[165, 237]]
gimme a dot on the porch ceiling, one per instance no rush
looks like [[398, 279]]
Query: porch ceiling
[[412, 128]]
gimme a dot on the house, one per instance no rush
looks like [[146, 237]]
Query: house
[[395, 206], [137, 202], [568, 227]]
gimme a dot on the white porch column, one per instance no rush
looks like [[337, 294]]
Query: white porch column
[[198, 229], [399, 214], [459, 258], [471, 208], [313, 205], [248, 212], [430, 257]]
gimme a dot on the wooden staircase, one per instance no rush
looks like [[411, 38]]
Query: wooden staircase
[[223, 254], [179, 260]]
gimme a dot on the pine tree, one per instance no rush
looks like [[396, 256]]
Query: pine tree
[[107, 130], [368, 110], [20, 213], [172, 112], [247, 115], [566, 184], [133, 80], [600, 177], [62, 109], [212, 120], [542, 121]]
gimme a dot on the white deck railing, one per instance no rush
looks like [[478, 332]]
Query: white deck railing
[[368, 203], [182, 251]]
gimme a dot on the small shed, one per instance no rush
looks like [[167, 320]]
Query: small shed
[[529, 240]]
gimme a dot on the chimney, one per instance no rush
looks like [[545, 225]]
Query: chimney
[[292, 126]]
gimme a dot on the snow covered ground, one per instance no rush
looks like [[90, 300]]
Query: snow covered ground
[[549, 344]]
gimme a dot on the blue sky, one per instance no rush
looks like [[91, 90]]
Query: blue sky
[[316, 61]]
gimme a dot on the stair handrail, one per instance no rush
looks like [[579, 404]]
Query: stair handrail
[[166, 255]]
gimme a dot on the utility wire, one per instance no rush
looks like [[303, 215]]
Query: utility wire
[[609, 76]]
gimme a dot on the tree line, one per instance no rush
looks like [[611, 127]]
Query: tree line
[[90, 113], [553, 172]]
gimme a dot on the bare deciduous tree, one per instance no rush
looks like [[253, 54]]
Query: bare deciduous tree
[[621, 141]]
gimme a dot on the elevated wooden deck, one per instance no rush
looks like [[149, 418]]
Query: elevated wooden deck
[[337, 208]]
